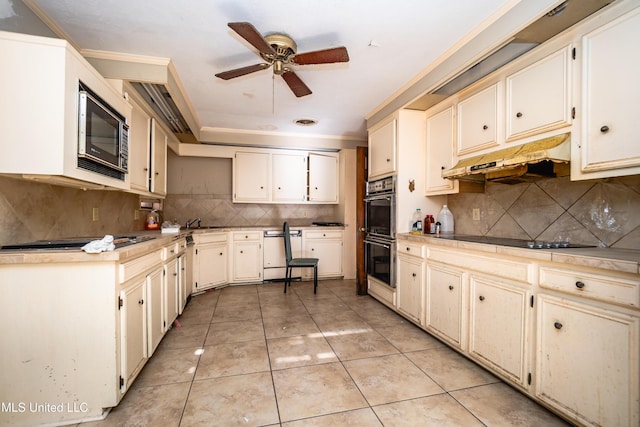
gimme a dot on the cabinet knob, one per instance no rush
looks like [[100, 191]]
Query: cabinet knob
[[175, 274], [312, 249], [316, 188], [279, 188], [442, 168], [408, 249], [261, 187], [141, 302], [241, 252], [481, 298], [388, 160], [518, 114], [604, 129], [220, 253], [450, 287], [146, 169], [557, 325], [157, 173], [485, 127], [579, 284], [414, 274]]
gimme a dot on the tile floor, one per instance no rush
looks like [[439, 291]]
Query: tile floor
[[253, 356]]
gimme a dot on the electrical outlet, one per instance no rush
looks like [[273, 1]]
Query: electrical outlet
[[95, 214], [136, 214], [305, 214], [476, 214]]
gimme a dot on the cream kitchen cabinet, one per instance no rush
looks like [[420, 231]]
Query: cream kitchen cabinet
[[587, 362], [498, 326], [382, 149], [445, 306], [538, 96], [323, 178], [251, 177], [133, 333], [478, 120], [155, 310], [247, 256], [184, 281], [289, 178], [139, 148], [326, 245], [211, 261], [171, 278], [158, 176], [607, 143], [410, 283]]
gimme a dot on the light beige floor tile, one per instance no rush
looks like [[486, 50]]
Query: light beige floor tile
[[451, 370], [381, 316], [358, 344], [186, 336], [335, 323], [438, 410], [242, 400], [359, 417], [409, 337], [236, 312], [301, 350], [315, 390], [279, 327], [237, 298], [507, 407], [242, 330], [222, 360], [330, 305], [148, 406], [169, 366], [390, 379], [196, 316], [295, 308]]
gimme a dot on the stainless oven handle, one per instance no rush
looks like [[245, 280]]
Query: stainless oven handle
[[373, 198], [372, 242]]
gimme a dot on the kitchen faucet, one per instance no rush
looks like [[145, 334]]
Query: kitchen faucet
[[191, 221]]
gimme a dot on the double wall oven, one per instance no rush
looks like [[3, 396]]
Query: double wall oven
[[380, 231]]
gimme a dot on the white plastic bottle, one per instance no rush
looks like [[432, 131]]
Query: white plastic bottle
[[445, 218], [416, 222]]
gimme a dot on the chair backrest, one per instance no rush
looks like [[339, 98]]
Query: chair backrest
[[287, 241]]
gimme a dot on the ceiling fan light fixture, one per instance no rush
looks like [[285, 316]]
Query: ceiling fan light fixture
[[305, 121]]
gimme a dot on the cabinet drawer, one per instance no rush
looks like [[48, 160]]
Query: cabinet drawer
[[210, 237], [140, 265], [413, 249], [246, 235], [493, 265], [611, 289], [172, 250], [324, 234]]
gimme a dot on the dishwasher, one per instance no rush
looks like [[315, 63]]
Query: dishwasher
[[274, 261]]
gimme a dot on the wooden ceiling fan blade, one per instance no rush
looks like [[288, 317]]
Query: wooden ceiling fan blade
[[250, 34], [232, 74], [296, 85], [325, 56]]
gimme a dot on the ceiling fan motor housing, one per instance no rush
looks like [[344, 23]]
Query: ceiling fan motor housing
[[283, 45]]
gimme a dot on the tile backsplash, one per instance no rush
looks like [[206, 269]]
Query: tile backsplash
[[602, 212]]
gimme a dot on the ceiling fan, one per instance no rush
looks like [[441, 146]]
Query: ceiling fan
[[279, 51]]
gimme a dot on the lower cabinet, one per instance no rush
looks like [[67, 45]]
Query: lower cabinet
[[410, 287], [170, 292], [326, 245], [247, 256], [133, 333], [587, 362], [445, 303], [498, 325], [211, 261], [155, 319]]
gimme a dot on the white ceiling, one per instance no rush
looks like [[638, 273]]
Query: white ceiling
[[389, 44]]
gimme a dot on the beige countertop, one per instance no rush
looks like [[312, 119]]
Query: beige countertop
[[620, 260]]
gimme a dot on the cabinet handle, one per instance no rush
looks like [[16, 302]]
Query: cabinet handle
[[414, 274], [485, 127], [261, 187], [442, 168], [279, 188], [388, 160], [518, 114], [141, 302], [408, 249], [146, 169], [604, 129], [316, 188], [579, 284], [450, 287], [173, 251], [241, 252], [324, 235], [481, 298], [175, 274], [220, 253], [157, 173], [313, 249], [557, 325]]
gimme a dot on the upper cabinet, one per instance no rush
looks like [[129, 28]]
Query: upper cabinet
[[289, 182], [382, 149], [139, 148], [440, 140], [158, 176], [538, 96], [478, 121], [251, 177], [323, 178], [608, 132]]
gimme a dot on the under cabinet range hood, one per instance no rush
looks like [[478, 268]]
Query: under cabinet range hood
[[545, 158]]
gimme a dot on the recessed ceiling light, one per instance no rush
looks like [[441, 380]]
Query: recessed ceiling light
[[305, 122]]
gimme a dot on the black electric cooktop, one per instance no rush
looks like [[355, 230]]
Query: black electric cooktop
[[515, 243]]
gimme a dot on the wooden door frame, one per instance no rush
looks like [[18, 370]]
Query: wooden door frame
[[361, 184]]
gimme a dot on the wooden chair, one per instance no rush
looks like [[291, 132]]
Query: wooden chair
[[297, 262]]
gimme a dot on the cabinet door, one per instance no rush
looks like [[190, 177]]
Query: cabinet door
[[478, 121], [382, 150], [247, 261], [251, 177], [184, 288], [440, 132], [329, 253], [133, 335], [289, 178], [498, 324], [159, 159], [211, 263], [171, 292], [323, 178], [444, 302], [587, 362], [155, 317], [409, 287], [139, 140], [611, 88], [538, 96]]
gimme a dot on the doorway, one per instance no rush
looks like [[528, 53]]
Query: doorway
[[361, 184]]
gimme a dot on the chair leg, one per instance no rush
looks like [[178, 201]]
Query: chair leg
[[286, 279], [315, 279]]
